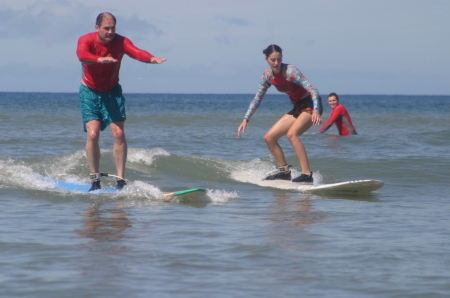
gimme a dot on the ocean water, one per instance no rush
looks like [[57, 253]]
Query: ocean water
[[239, 239]]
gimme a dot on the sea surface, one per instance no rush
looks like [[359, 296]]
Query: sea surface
[[239, 239]]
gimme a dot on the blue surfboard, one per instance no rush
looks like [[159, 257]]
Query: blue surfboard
[[81, 187]]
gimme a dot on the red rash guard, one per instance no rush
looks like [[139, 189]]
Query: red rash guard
[[341, 118], [295, 92], [102, 77]]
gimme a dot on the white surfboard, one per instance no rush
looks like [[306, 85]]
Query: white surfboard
[[346, 187], [355, 186]]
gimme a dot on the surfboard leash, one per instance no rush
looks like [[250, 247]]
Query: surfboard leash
[[110, 175]]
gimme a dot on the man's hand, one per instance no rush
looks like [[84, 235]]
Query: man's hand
[[157, 60], [106, 60]]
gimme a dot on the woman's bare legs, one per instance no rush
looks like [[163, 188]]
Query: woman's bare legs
[[293, 128], [300, 126], [278, 130]]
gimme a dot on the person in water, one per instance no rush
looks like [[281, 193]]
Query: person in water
[[307, 110], [339, 116], [101, 100]]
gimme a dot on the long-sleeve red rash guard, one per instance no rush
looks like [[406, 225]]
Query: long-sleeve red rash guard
[[341, 118], [102, 77]]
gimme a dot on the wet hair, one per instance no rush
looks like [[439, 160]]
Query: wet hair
[[334, 94], [272, 49], [103, 15]]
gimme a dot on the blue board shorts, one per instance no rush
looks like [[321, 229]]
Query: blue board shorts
[[106, 107]]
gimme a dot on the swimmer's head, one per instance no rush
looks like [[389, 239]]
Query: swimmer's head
[[333, 100]]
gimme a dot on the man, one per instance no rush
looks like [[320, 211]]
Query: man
[[339, 116], [101, 99]]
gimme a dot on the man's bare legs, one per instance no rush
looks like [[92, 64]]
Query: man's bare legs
[[120, 147], [93, 149]]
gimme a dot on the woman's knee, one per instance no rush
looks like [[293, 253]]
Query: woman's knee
[[268, 138], [292, 136]]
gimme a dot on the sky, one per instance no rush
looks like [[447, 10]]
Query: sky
[[384, 47]]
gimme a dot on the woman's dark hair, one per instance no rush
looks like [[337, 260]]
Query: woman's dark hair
[[334, 94], [271, 49], [101, 16]]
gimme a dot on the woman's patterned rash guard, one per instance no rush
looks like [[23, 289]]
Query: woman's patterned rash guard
[[290, 81]]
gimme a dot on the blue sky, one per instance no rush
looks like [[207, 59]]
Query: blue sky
[[212, 46]]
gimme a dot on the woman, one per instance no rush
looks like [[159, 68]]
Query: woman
[[307, 111]]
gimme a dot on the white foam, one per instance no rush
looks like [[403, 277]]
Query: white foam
[[139, 189], [221, 196], [21, 175], [146, 156]]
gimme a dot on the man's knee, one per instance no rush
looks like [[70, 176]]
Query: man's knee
[[118, 132], [93, 135], [93, 130]]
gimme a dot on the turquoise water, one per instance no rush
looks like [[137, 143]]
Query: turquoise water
[[240, 239]]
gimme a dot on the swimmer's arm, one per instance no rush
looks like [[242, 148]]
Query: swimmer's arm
[[326, 126], [335, 114]]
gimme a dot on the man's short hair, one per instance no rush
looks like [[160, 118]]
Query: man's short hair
[[103, 15]]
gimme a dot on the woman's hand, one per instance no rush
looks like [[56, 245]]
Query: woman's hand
[[316, 118], [242, 127]]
